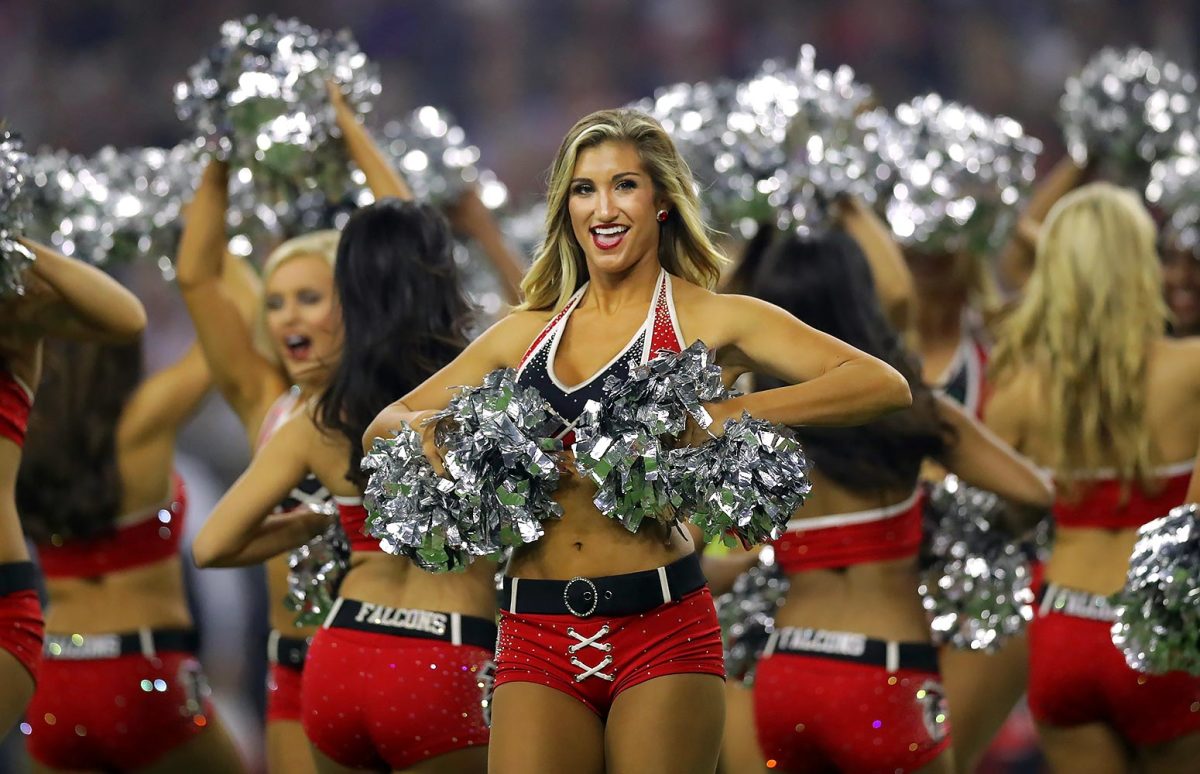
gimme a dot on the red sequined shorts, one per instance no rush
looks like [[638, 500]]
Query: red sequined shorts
[[21, 624], [114, 714], [594, 658], [840, 701], [388, 688], [1077, 675]]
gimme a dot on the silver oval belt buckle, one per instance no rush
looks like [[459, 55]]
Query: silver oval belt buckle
[[591, 588]]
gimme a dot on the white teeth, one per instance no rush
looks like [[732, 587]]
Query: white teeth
[[295, 340], [610, 230]]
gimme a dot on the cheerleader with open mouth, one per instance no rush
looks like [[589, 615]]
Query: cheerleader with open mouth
[[609, 657], [397, 677]]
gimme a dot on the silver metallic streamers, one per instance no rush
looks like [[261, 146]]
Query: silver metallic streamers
[[811, 117], [115, 207], [747, 615], [411, 510], [1158, 624], [14, 213], [431, 150], [502, 472], [502, 460], [259, 99], [959, 176], [722, 145], [1175, 187], [315, 570], [746, 484], [974, 583], [622, 443], [1127, 109]]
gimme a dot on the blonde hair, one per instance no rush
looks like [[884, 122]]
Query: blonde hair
[[685, 247], [1090, 312], [322, 244]]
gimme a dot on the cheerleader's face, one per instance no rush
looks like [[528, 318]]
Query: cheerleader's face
[[612, 205], [1181, 287], [303, 318]]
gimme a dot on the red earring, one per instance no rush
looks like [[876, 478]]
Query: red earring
[[662, 216]]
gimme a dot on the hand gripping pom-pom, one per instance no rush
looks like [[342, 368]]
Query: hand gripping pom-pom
[[503, 464], [746, 484], [315, 570], [412, 510], [1128, 110], [438, 163], [974, 582], [259, 100], [1158, 611], [747, 616], [14, 213], [622, 443]]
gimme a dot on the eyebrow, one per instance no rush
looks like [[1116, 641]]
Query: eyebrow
[[615, 177]]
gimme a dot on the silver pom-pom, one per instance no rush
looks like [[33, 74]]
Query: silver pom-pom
[[411, 510], [504, 465], [1128, 110], [975, 583], [747, 615], [723, 145], [259, 99], [810, 116], [14, 213], [1158, 624], [116, 207], [622, 443], [315, 570], [431, 150], [958, 176], [1175, 187], [745, 485]]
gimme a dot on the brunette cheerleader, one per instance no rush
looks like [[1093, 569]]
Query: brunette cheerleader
[[397, 677], [65, 298]]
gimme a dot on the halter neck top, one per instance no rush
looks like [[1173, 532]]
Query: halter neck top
[[659, 333]]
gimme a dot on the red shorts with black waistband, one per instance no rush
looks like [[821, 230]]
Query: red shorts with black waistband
[[21, 626], [387, 688], [285, 668], [1078, 676], [115, 714], [594, 659], [818, 712]]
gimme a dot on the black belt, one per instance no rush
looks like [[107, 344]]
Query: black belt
[[17, 576], [608, 597], [855, 648], [454, 628], [147, 642], [286, 651], [1053, 598]]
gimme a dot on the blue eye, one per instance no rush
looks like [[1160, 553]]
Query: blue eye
[[626, 184], [581, 189]]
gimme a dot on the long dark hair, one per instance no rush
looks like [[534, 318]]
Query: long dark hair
[[68, 486], [404, 314], [826, 282]]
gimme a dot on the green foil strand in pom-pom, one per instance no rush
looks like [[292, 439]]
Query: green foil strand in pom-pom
[[1158, 610]]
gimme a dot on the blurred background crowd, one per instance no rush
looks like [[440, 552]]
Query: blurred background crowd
[[82, 74]]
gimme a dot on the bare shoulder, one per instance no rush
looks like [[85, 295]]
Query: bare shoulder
[[713, 316], [508, 338], [1180, 359]]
